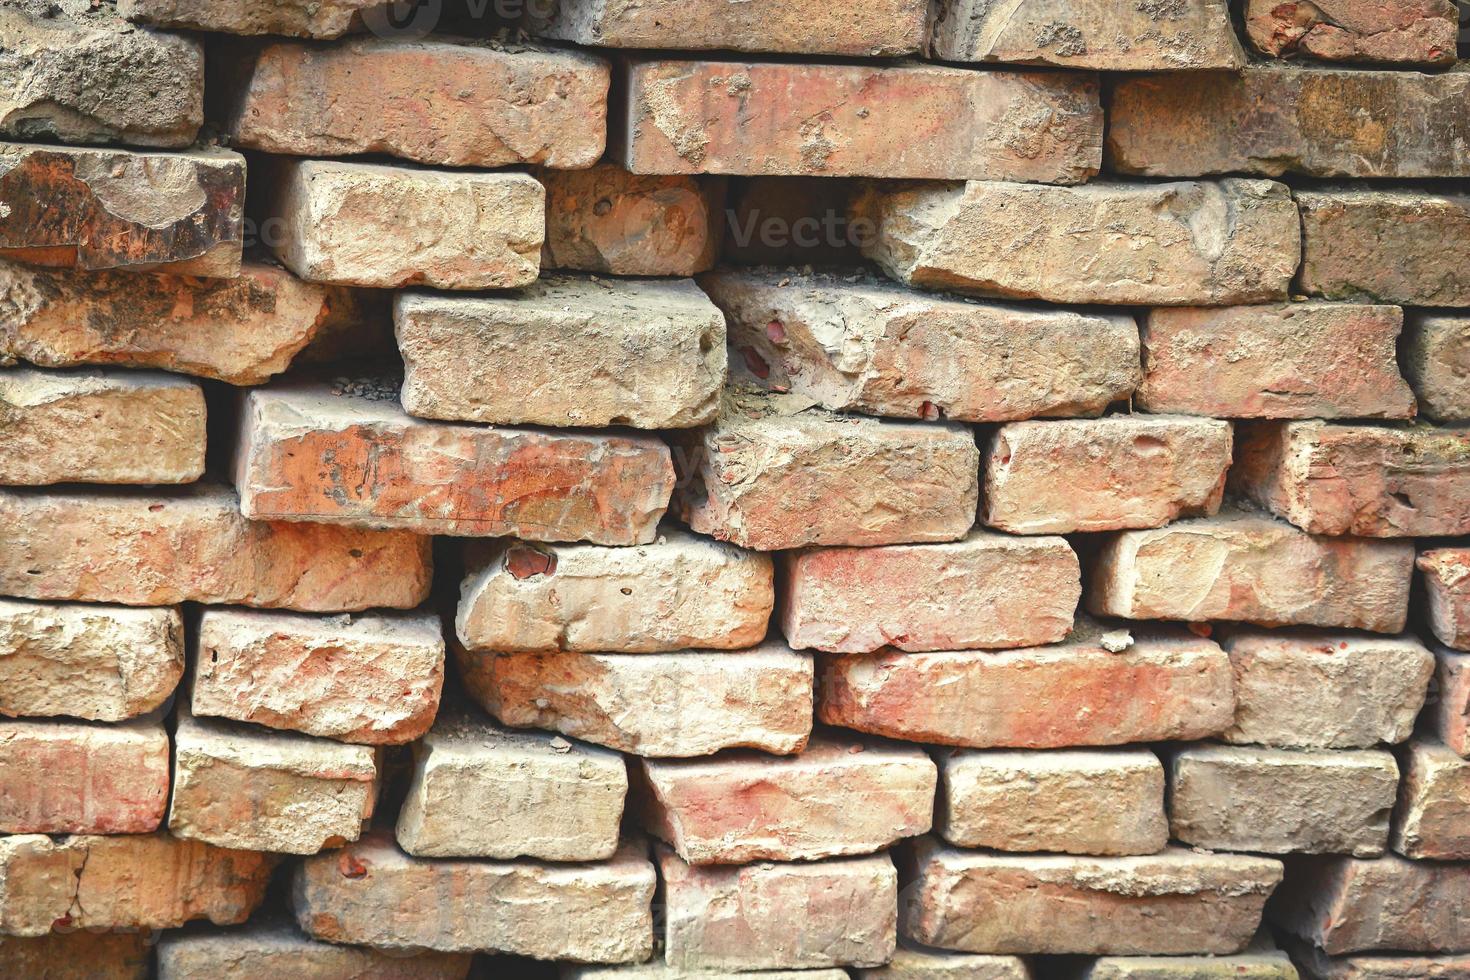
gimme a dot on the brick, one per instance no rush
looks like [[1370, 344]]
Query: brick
[[679, 592], [1198, 243], [372, 893], [1311, 689], [1195, 34], [276, 949], [774, 473], [239, 330], [654, 704], [1289, 361], [1073, 802], [94, 209], [1449, 714], [914, 963], [1260, 961], [1446, 576], [839, 912], [431, 101], [343, 223], [1358, 479], [1123, 471], [862, 345], [479, 790], [321, 19], [1346, 905], [100, 427], [1316, 965], [1168, 903], [647, 353], [658, 970], [838, 797], [1400, 32], [245, 788], [100, 663], [132, 881], [1165, 686], [984, 592], [1239, 566], [1429, 823], [372, 679], [142, 548], [607, 220], [1389, 246], [64, 777], [1437, 364], [850, 120], [77, 956]]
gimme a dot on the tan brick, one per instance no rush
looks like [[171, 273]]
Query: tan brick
[[100, 663], [1260, 961], [679, 592], [276, 949], [643, 353], [987, 591], [1447, 585], [1291, 361], [1448, 716], [91, 209], [1316, 965], [1165, 686], [1399, 31], [372, 893], [868, 346], [374, 679], [1074, 802], [807, 915], [1314, 689], [1430, 823], [1240, 566], [607, 220], [63, 777], [142, 548], [915, 963], [1192, 34], [479, 790], [1437, 364], [851, 120], [1169, 903], [1358, 479], [132, 881], [839, 797], [1346, 905], [1123, 471], [1196, 243], [430, 101], [77, 956], [774, 473], [653, 704], [322, 19]]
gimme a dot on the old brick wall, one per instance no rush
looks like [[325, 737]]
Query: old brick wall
[[692, 488]]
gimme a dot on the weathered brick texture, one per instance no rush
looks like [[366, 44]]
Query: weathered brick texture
[[1401, 31]]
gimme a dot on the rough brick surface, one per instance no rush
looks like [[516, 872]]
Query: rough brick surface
[[322, 19], [1191, 243], [1256, 963], [1430, 820], [1449, 715], [1347, 905], [1117, 472], [987, 591], [63, 777], [1316, 965], [1400, 31], [78, 956], [1446, 573], [916, 963], [1437, 364], [646, 353], [1299, 360], [277, 949], [871, 347], [915, 121], [389, 470]]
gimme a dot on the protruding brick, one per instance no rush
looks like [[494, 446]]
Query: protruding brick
[[373, 894], [1449, 714], [1317, 965], [1190, 35], [987, 591], [1239, 566], [1260, 961], [1292, 361], [374, 679], [1169, 903], [1430, 823], [431, 101], [1437, 364], [78, 956], [62, 777], [838, 797], [1198, 243], [917, 963], [851, 120], [1366, 480], [276, 949], [1347, 905], [91, 209], [679, 592], [132, 881], [654, 704], [1074, 802], [1447, 584], [141, 548], [808, 915], [643, 353], [480, 790], [1309, 689], [774, 473], [872, 347], [1399, 32], [1078, 693], [1122, 471]]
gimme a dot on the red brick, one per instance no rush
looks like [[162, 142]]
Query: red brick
[[78, 956], [1395, 32], [1347, 905], [1447, 584], [65, 777]]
